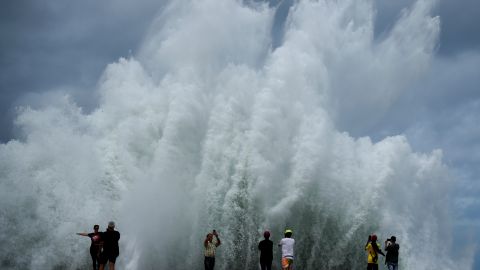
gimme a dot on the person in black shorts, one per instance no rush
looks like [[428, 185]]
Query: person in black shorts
[[110, 250], [95, 246], [266, 252]]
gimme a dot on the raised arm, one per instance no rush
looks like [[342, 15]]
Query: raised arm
[[368, 241], [218, 241], [82, 234]]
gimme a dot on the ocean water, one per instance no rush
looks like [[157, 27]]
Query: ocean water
[[228, 119]]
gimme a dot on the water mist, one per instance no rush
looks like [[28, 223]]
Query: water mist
[[211, 127]]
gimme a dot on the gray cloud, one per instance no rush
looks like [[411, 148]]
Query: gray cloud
[[459, 22], [65, 45], [60, 44]]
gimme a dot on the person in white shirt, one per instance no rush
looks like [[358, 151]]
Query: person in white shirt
[[287, 245]]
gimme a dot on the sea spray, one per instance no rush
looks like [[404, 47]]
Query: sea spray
[[209, 127]]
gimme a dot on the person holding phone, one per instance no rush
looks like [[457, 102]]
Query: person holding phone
[[391, 259], [212, 241]]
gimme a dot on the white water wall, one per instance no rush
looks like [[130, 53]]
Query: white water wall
[[209, 127]]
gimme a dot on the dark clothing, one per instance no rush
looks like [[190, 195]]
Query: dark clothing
[[209, 263], [104, 257], [110, 241], [377, 249], [266, 254], [266, 265], [111, 250], [392, 266], [96, 240], [95, 248], [95, 260], [372, 266], [266, 250], [392, 253]]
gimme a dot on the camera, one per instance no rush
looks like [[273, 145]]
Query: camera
[[388, 242]]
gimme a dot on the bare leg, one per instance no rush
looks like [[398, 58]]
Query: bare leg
[[101, 266], [111, 266]]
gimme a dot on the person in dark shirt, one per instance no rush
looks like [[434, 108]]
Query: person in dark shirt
[[110, 247], [95, 246], [266, 252], [391, 259]]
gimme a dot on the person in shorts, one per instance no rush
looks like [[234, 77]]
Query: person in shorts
[[287, 245], [110, 251]]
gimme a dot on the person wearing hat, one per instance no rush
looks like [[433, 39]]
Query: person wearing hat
[[110, 247], [266, 252], [391, 259], [287, 245], [373, 249]]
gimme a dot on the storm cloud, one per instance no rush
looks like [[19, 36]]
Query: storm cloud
[[63, 47]]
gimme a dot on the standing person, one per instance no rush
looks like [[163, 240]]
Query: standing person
[[391, 259], [211, 243], [266, 252], [95, 246], [110, 247], [373, 249], [287, 245]]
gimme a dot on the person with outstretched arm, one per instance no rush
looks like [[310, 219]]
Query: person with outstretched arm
[[95, 246]]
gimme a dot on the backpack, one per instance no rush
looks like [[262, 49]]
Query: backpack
[[375, 253], [375, 257]]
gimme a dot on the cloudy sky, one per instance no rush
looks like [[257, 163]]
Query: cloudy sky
[[63, 46]]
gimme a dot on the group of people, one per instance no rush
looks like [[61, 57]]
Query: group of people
[[287, 244], [212, 241], [373, 249], [104, 246]]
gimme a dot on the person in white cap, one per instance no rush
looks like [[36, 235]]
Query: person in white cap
[[287, 245], [110, 247]]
